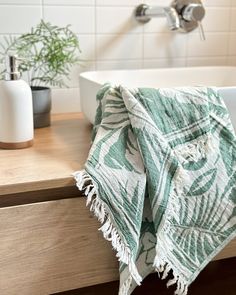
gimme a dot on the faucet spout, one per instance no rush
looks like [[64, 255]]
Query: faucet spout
[[144, 13], [172, 18]]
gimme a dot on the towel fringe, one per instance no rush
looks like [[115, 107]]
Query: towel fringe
[[194, 151], [179, 177], [162, 264], [97, 206], [124, 289], [163, 268]]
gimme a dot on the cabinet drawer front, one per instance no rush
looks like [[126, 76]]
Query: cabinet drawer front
[[55, 246], [52, 246]]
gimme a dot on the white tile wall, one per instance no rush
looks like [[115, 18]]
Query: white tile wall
[[119, 64], [24, 2], [209, 61], [82, 18], [217, 2], [163, 63], [222, 15], [18, 19], [119, 46], [232, 44], [216, 44], [69, 2], [165, 46], [65, 100], [233, 19], [118, 20], [110, 38], [117, 3]]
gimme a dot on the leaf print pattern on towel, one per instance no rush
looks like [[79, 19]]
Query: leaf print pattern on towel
[[173, 149], [116, 156], [202, 183], [148, 241], [197, 233]]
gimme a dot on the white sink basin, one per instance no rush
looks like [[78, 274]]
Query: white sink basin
[[222, 77]]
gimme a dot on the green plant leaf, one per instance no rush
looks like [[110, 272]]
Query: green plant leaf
[[49, 51]]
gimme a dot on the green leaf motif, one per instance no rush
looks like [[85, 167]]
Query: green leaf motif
[[193, 166], [228, 155], [232, 195], [117, 156], [202, 183]]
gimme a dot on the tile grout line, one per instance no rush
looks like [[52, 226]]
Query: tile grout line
[[143, 39], [186, 50], [95, 34], [229, 35], [42, 9]]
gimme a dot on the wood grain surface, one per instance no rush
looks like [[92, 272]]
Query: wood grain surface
[[51, 247], [57, 152]]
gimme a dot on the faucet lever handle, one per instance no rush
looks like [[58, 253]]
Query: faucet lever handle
[[201, 31], [193, 12]]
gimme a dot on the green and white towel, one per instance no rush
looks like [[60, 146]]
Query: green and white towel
[[161, 178]]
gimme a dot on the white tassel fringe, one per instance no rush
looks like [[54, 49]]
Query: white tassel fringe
[[194, 151], [110, 233], [163, 268], [126, 286]]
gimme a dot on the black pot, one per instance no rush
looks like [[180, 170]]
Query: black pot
[[42, 103]]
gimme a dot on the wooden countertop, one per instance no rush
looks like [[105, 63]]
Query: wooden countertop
[[58, 151]]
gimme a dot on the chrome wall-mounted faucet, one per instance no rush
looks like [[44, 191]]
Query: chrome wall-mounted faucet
[[185, 15], [144, 13]]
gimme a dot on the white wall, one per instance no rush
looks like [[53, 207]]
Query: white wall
[[110, 38]]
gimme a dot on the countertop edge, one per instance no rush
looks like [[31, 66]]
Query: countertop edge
[[37, 185]]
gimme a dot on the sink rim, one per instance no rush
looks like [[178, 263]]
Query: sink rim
[[86, 74], [92, 81]]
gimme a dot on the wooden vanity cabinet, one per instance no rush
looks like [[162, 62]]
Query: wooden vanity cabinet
[[50, 247], [49, 240]]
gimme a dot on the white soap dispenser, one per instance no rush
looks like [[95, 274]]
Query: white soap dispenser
[[16, 110]]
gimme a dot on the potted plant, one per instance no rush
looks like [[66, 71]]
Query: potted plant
[[47, 53]]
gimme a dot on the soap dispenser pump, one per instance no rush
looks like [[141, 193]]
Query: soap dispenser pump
[[16, 110]]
